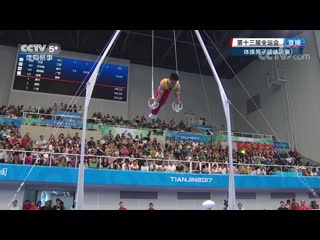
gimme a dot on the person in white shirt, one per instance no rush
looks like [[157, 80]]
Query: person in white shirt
[[145, 166], [134, 165], [258, 171], [2, 154], [163, 167], [42, 143], [153, 167], [125, 165], [215, 169], [14, 205], [314, 172], [159, 155], [171, 167], [223, 169], [253, 171]]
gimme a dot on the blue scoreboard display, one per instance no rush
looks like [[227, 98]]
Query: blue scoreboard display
[[61, 75]]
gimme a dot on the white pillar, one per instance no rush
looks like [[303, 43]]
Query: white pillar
[[226, 108], [89, 89]]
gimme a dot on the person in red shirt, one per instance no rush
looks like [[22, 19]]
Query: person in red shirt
[[163, 92], [151, 206], [26, 205], [33, 206], [303, 205], [121, 204], [25, 140]]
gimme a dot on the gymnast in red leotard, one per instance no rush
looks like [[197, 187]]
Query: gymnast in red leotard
[[166, 86]]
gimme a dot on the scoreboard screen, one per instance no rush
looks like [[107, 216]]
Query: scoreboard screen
[[61, 75]]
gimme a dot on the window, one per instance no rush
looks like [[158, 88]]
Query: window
[[282, 195], [193, 195], [138, 195], [246, 196]]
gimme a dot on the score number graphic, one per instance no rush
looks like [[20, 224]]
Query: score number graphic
[[57, 74]]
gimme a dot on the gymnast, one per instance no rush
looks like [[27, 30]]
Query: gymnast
[[166, 86]]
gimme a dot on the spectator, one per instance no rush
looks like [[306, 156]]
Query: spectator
[[91, 143], [14, 205], [294, 205], [151, 206], [25, 140], [26, 205], [134, 165], [32, 206], [314, 205], [73, 207], [303, 206], [105, 164], [38, 205], [179, 168], [2, 154], [163, 167], [282, 206], [121, 206], [145, 166], [59, 205], [171, 167], [47, 206], [240, 207], [153, 167], [225, 204]]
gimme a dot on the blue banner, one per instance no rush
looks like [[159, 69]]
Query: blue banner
[[281, 145], [9, 172], [287, 173], [67, 114], [17, 121], [204, 127], [186, 136], [57, 123]]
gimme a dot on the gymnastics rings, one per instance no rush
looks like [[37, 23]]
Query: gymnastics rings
[[152, 104], [177, 107]]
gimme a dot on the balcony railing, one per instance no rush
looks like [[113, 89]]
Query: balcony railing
[[110, 162]]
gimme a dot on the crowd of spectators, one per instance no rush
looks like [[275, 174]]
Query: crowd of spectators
[[127, 152], [294, 205], [97, 117], [137, 153], [31, 205], [13, 111], [139, 122]]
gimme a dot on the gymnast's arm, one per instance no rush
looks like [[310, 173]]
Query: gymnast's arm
[[177, 93], [161, 92]]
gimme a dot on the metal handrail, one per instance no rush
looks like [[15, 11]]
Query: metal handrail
[[266, 136], [80, 120], [131, 159]]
